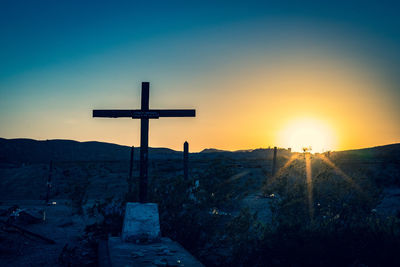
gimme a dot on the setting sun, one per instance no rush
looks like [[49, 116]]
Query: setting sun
[[308, 133]]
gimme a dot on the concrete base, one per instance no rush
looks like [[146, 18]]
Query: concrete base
[[163, 253], [141, 223]]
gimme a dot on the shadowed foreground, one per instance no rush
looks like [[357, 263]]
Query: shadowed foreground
[[318, 210]]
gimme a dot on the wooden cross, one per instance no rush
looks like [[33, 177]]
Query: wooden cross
[[144, 114]]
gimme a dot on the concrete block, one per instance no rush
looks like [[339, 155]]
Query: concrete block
[[141, 223]]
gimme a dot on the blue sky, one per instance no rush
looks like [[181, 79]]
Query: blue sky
[[38, 34]]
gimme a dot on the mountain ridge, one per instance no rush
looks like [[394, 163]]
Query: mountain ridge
[[37, 151]]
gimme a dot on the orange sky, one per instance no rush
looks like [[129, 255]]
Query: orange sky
[[239, 109]]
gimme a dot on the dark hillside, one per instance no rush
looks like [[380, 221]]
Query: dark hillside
[[34, 151]]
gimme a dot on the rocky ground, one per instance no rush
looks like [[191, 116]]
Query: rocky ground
[[59, 239]]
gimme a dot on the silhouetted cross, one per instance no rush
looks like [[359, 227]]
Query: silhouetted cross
[[144, 114]]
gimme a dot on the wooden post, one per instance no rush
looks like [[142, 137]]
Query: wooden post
[[185, 160], [144, 145], [274, 161], [49, 182], [130, 180]]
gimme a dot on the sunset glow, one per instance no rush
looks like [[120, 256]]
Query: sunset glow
[[308, 133], [252, 79]]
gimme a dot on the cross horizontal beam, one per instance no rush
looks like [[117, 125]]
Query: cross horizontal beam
[[139, 114]]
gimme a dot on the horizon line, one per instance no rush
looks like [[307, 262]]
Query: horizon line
[[223, 150]]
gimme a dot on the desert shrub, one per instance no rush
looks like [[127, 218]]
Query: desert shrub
[[182, 216], [371, 242], [110, 211], [186, 209], [335, 226], [77, 195], [244, 234]]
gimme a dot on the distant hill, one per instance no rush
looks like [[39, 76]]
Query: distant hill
[[34, 151], [387, 152], [257, 150], [244, 154], [213, 150]]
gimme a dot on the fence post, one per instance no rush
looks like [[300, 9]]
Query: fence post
[[185, 160]]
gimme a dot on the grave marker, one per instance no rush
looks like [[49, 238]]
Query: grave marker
[[144, 114]]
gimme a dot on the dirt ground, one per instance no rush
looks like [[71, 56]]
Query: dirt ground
[[71, 248]]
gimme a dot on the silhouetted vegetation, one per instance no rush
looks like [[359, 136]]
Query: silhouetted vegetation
[[337, 226]]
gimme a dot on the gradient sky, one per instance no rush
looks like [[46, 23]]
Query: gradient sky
[[252, 70]]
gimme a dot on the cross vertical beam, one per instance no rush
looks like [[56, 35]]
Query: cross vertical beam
[[144, 145], [130, 180]]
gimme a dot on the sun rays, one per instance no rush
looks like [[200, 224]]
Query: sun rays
[[307, 160], [280, 171], [309, 185], [339, 171]]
